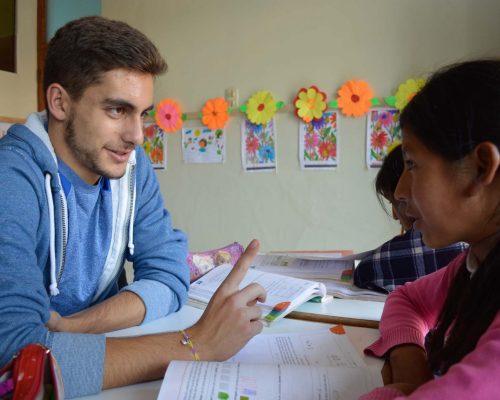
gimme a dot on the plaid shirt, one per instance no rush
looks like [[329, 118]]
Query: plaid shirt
[[402, 259]]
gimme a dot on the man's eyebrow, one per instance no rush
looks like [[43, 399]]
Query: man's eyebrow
[[110, 102], [119, 103], [149, 108]]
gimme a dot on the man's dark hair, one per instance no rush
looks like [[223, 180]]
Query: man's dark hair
[[83, 49]]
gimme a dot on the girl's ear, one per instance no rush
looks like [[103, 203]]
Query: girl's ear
[[58, 102], [486, 157]]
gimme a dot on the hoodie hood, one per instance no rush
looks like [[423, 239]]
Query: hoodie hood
[[32, 138]]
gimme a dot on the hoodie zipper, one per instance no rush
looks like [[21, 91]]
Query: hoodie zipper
[[64, 239], [131, 194]]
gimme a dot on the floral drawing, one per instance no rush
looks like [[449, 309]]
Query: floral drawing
[[319, 141], [383, 130], [259, 144]]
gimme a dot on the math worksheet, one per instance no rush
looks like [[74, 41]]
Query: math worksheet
[[304, 365]]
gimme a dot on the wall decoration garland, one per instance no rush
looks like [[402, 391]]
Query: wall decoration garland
[[355, 98], [318, 133]]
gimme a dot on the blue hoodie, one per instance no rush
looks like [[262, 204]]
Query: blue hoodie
[[33, 242]]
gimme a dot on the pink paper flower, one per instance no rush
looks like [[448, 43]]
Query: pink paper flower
[[168, 115]]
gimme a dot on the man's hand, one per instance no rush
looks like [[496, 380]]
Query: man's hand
[[123, 310], [231, 318], [55, 322]]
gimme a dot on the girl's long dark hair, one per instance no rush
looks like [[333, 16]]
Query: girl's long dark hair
[[458, 108]]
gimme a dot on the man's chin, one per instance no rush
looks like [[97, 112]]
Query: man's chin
[[113, 174]]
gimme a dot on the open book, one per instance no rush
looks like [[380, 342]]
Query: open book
[[301, 365], [284, 293], [334, 270]]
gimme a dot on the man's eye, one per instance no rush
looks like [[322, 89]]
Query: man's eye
[[117, 111]]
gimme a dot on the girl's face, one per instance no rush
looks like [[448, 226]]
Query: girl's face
[[399, 214], [435, 193]]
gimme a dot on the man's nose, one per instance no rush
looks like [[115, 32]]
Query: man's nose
[[135, 131]]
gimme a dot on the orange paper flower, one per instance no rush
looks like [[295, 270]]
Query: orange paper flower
[[215, 113], [310, 103], [355, 98], [168, 115]]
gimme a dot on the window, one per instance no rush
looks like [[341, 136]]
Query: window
[[8, 35]]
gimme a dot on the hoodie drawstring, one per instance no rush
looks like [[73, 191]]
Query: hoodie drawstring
[[54, 291]]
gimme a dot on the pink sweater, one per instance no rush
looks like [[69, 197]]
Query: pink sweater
[[408, 315]]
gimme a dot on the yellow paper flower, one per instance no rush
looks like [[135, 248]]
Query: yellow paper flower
[[393, 145], [355, 98], [310, 103], [406, 92], [261, 107]]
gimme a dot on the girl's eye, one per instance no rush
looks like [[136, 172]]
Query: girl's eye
[[409, 165]]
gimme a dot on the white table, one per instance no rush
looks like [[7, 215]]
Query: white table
[[187, 316]]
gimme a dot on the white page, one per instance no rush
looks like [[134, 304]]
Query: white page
[[188, 380], [279, 288], [320, 347]]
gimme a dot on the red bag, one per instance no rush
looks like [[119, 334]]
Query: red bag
[[32, 373]]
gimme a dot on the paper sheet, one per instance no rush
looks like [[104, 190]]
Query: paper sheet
[[203, 145]]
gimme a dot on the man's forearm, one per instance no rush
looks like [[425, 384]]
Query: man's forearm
[[123, 310], [144, 358]]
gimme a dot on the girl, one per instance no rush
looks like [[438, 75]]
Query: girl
[[405, 257], [441, 333]]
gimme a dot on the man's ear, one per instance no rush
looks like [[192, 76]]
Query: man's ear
[[486, 158], [58, 102]]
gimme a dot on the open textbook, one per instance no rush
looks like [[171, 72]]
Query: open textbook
[[334, 270], [284, 293], [301, 365]]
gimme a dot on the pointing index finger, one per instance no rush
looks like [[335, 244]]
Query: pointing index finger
[[239, 270]]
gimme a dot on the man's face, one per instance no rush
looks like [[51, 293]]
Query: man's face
[[106, 123]]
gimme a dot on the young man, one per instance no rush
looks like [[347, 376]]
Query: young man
[[78, 197]]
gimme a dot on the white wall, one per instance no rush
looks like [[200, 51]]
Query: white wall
[[18, 90], [281, 46]]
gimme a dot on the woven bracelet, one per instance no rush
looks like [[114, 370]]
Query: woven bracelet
[[186, 341]]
